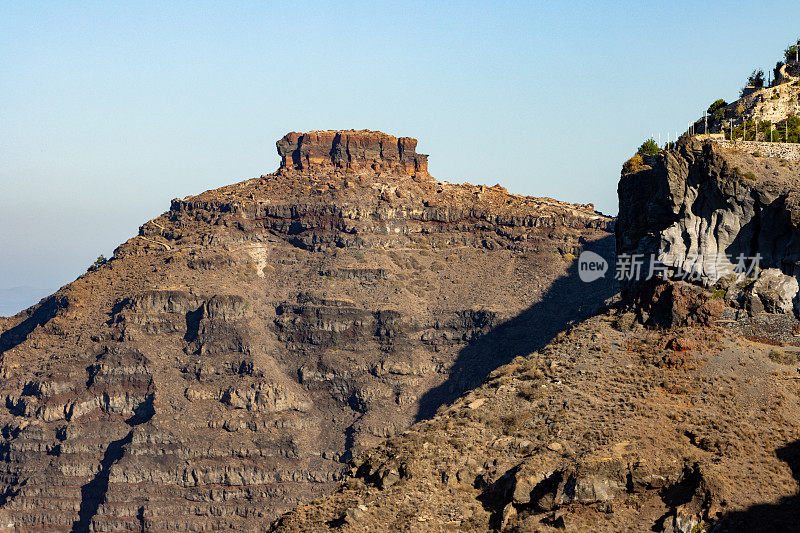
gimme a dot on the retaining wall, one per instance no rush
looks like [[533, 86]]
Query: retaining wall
[[790, 151]]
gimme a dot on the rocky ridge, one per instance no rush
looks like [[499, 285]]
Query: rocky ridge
[[230, 360]]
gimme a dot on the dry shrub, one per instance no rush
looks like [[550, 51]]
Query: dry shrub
[[634, 164]]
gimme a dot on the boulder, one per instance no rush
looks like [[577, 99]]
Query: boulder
[[776, 290]]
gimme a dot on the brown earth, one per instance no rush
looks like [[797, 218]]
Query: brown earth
[[605, 429], [647, 417]]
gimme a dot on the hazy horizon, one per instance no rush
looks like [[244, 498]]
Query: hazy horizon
[[109, 110]]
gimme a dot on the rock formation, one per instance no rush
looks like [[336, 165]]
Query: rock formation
[[700, 208], [351, 150], [229, 361]]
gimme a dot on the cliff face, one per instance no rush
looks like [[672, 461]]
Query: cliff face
[[700, 208], [231, 359], [352, 150]]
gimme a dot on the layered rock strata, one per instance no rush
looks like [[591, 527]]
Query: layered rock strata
[[352, 150], [229, 361], [611, 427]]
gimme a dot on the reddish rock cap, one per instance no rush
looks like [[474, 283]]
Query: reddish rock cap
[[351, 150]]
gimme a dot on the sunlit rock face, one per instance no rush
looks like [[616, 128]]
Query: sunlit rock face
[[703, 209]]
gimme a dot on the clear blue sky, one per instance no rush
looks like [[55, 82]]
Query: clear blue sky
[[110, 109]]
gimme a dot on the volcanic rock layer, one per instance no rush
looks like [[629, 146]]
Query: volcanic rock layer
[[691, 424], [229, 361], [700, 208]]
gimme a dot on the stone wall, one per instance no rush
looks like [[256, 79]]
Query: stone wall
[[790, 151]]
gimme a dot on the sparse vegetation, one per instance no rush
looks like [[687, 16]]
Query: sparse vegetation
[[648, 147], [100, 261], [749, 175], [782, 357], [634, 164]]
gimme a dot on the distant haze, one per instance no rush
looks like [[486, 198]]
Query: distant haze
[[16, 298], [109, 110]]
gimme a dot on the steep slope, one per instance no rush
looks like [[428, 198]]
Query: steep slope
[[681, 426], [230, 360], [605, 429]]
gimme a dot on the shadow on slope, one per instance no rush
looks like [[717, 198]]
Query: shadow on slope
[[93, 493], [567, 300], [783, 516], [38, 316]]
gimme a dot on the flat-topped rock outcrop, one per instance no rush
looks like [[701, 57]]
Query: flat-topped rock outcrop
[[352, 150]]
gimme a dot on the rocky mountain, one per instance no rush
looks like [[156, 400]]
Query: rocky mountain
[[230, 361], [674, 409]]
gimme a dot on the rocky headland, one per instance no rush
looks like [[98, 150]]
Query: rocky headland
[[349, 344]]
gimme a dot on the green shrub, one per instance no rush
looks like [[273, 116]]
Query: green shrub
[[777, 70], [756, 79], [716, 111], [718, 104], [746, 175], [649, 147], [791, 52], [793, 133], [100, 261]]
